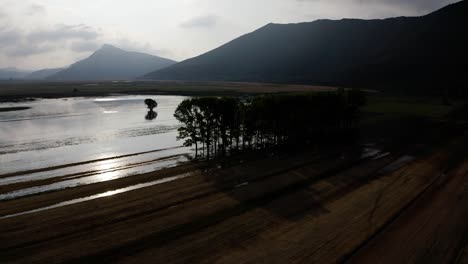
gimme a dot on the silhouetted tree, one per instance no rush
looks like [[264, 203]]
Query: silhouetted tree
[[151, 115], [151, 104], [187, 113], [222, 124]]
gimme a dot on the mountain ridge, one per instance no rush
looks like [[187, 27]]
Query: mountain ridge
[[333, 51], [42, 74], [111, 63]]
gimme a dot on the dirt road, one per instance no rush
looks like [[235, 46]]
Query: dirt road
[[433, 230]]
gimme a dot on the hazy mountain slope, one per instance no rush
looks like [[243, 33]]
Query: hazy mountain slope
[[12, 73], [333, 52], [111, 63], [42, 74]]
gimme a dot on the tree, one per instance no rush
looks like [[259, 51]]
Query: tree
[[186, 113], [151, 104], [221, 124], [151, 115]]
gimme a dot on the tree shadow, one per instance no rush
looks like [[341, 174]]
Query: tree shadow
[[280, 184], [151, 115]]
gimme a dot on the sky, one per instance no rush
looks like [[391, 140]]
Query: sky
[[38, 34]]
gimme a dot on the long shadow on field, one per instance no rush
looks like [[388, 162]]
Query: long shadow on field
[[280, 184]]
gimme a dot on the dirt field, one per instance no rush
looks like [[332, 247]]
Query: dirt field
[[296, 208], [19, 90], [431, 230]]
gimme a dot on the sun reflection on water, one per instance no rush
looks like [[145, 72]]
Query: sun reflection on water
[[105, 100], [108, 169]]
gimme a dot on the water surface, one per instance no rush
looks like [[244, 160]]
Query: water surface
[[110, 137]]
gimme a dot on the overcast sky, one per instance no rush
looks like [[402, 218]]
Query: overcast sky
[[38, 34]]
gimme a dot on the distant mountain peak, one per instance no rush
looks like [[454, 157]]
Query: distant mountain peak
[[109, 47], [112, 63]]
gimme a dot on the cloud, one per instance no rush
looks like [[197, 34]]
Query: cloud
[[64, 32], [15, 42], [3, 14], [130, 45], [9, 37], [418, 6], [206, 21], [36, 9], [24, 50], [84, 46]]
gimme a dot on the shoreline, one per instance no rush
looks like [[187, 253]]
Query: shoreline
[[13, 109], [27, 91], [31, 202]]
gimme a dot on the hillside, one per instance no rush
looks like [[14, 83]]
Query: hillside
[[12, 73], [427, 49], [111, 63], [42, 74]]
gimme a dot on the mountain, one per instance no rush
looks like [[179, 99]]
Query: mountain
[[42, 74], [12, 74], [111, 63], [428, 49]]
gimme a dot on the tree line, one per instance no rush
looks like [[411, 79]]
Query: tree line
[[217, 126]]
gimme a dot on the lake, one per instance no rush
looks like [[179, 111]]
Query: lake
[[86, 140]]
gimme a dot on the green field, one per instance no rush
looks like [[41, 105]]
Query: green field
[[392, 106]]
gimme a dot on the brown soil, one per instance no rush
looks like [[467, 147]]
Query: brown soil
[[430, 231], [302, 208]]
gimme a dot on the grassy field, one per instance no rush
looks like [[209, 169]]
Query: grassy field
[[389, 119], [385, 106]]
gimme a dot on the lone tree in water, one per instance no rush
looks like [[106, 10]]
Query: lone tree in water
[[151, 104]]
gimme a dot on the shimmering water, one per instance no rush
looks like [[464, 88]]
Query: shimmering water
[[101, 195], [101, 134]]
